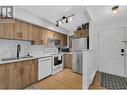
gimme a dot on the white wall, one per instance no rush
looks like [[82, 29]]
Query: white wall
[[8, 48], [38, 50], [89, 60], [89, 69], [28, 17]]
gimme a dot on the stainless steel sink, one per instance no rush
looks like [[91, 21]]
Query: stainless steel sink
[[14, 58]]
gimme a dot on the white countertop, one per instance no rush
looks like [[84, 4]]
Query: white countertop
[[24, 59], [65, 52], [35, 57]]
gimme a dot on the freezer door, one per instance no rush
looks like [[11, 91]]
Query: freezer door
[[77, 62], [79, 44]]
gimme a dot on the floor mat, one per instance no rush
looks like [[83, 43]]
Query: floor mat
[[110, 81]]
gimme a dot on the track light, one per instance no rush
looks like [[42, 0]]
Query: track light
[[57, 24], [65, 20], [60, 22]]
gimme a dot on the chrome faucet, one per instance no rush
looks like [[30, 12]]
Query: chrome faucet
[[18, 50]]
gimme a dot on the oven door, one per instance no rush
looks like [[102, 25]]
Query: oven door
[[57, 60]]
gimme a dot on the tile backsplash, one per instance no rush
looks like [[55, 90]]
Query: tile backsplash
[[8, 48]]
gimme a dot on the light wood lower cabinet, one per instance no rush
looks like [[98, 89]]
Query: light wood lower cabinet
[[33, 76], [14, 75], [3, 77], [18, 75], [68, 61]]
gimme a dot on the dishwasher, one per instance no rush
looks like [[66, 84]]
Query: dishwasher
[[44, 67]]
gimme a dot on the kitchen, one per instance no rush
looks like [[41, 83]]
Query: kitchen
[[31, 53], [64, 48]]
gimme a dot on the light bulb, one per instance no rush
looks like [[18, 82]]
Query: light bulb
[[115, 12], [60, 22], [115, 9], [70, 18]]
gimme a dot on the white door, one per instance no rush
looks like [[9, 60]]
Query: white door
[[110, 45]]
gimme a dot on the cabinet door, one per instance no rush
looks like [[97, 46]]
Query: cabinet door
[[25, 73], [14, 75], [9, 30], [33, 71], [20, 30], [1, 30], [23, 30], [3, 77], [68, 61], [30, 32], [17, 34], [56, 35], [36, 35], [65, 40], [49, 34], [44, 36]]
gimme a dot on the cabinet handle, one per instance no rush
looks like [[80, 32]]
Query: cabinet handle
[[18, 35], [21, 71], [21, 35]]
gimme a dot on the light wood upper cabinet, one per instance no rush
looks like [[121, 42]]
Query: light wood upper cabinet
[[36, 34], [81, 33], [24, 31], [8, 29], [21, 30], [1, 30], [43, 37], [65, 40], [30, 32], [50, 34], [56, 35]]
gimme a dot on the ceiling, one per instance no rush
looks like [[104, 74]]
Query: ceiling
[[54, 13], [103, 16]]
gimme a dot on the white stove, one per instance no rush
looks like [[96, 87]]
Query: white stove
[[57, 59]]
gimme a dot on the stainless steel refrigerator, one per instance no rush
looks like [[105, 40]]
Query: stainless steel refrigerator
[[78, 45]]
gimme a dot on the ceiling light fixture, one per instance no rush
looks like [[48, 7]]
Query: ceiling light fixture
[[115, 9], [65, 20]]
